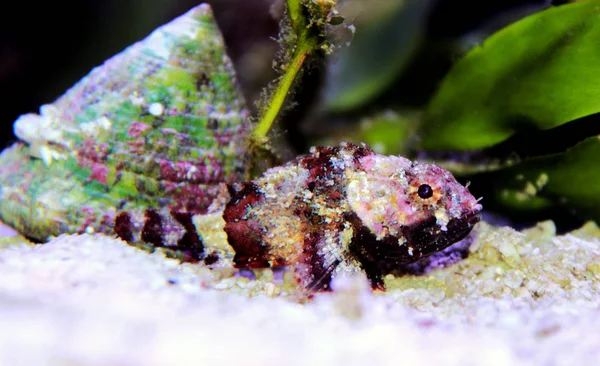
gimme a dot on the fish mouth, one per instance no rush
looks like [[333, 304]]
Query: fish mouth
[[418, 241], [462, 226], [428, 237]]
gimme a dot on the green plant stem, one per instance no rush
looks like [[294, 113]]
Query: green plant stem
[[297, 18], [285, 83], [305, 44]]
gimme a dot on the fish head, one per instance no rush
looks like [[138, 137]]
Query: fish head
[[404, 211]]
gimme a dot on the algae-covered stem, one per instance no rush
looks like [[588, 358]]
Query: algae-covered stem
[[278, 98], [306, 42]]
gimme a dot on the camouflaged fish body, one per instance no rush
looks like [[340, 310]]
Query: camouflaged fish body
[[336, 211], [158, 125]]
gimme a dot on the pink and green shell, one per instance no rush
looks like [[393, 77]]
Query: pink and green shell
[[159, 125]]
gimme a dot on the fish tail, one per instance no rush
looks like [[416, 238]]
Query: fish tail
[[172, 230]]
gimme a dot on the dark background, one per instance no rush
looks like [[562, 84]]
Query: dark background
[[46, 46]]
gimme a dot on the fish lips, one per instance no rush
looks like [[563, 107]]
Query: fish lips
[[418, 241], [427, 237]]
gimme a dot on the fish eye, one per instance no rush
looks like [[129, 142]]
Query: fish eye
[[425, 191]]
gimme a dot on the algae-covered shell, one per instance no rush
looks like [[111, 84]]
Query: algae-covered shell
[[158, 125]]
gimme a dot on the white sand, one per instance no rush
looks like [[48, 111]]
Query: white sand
[[518, 298]]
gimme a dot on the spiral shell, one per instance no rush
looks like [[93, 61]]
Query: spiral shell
[[159, 125]]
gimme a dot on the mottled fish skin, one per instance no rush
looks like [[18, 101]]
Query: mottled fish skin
[[159, 125], [336, 211]]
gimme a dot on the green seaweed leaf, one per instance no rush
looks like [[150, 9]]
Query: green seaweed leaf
[[569, 178], [538, 73]]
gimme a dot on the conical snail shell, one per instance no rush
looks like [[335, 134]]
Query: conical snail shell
[[158, 125]]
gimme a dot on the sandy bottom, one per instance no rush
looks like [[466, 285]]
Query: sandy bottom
[[518, 298]]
